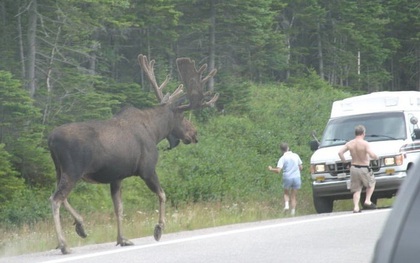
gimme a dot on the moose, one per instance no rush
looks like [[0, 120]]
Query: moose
[[108, 151]]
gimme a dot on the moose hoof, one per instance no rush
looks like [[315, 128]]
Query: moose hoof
[[64, 249], [157, 233], [80, 230], [126, 242]]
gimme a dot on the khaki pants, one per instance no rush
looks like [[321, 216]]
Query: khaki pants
[[359, 177]]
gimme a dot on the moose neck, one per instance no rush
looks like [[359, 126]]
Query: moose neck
[[158, 121], [165, 122]]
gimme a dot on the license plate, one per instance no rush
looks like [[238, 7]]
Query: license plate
[[390, 171], [348, 184], [341, 175]]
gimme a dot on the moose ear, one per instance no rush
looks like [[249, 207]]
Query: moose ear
[[173, 141]]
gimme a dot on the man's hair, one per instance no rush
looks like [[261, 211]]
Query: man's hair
[[359, 130], [284, 147]]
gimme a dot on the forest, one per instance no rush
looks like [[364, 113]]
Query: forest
[[64, 61]]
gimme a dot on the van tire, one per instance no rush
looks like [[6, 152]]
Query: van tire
[[323, 204]]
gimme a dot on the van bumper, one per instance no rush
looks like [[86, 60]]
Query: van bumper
[[386, 187]]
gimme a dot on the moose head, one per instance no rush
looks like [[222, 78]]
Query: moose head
[[195, 85]]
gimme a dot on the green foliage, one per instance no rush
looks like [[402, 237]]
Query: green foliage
[[259, 40], [25, 206], [22, 134], [33, 161], [234, 95], [84, 100], [204, 115], [91, 197], [128, 94], [16, 108], [316, 96], [9, 180], [208, 173]]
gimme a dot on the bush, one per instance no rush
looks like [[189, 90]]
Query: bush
[[9, 180], [26, 207]]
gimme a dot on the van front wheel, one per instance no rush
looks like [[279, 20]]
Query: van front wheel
[[323, 204]]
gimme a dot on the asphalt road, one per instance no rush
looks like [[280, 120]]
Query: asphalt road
[[335, 237]]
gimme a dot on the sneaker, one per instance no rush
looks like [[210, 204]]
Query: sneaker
[[293, 212], [371, 206]]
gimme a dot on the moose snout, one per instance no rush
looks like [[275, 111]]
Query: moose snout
[[190, 140]]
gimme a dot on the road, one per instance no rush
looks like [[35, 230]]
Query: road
[[336, 237]]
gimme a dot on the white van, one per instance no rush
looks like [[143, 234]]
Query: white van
[[391, 121]]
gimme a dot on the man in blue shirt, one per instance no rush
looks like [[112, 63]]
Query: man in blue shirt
[[291, 164]]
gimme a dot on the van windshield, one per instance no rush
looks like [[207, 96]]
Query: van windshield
[[379, 127]]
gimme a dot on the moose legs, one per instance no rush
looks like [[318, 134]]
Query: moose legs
[[58, 198], [62, 244], [161, 225], [118, 209], [154, 186]]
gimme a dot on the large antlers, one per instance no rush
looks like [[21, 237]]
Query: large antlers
[[150, 73], [190, 76]]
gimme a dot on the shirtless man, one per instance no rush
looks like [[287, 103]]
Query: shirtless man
[[360, 172]]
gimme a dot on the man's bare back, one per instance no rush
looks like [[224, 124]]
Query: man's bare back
[[360, 151]]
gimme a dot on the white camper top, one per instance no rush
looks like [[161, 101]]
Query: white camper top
[[377, 102]]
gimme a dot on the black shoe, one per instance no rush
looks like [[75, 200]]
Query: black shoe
[[357, 211], [371, 206]]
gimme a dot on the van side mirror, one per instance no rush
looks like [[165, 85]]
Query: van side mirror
[[416, 134], [314, 145]]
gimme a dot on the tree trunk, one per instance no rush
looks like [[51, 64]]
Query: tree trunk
[[32, 25], [21, 47], [92, 60], [320, 54], [212, 53], [417, 73], [287, 27]]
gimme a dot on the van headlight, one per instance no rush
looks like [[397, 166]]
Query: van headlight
[[395, 160], [319, 168], [389, 161]]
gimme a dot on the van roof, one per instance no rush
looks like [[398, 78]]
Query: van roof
[[377, 102]]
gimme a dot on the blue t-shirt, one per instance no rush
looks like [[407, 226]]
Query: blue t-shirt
[[289, 163]]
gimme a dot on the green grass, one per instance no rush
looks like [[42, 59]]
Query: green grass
[[101, 227]]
